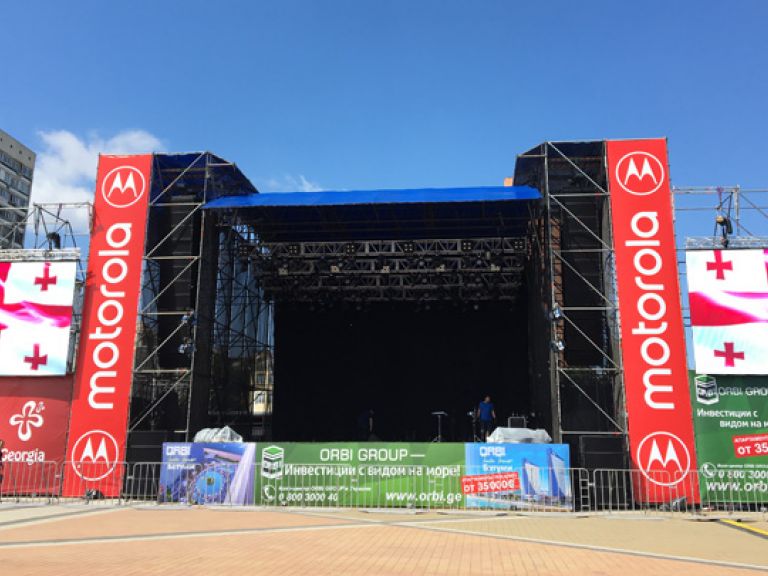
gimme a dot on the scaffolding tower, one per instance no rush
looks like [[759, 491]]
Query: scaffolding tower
[[187, 286], [577, 379]]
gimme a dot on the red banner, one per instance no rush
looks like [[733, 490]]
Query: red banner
[[97, 433], [484, 483], [652, 338], [33, 426]]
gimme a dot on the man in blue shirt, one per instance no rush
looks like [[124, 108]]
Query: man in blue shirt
[[486, 415]]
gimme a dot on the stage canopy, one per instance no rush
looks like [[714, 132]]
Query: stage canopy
[[493, 211]]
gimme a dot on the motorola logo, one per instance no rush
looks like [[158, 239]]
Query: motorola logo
[[640, 173], [123, 186], [663, 458], [94, 455]]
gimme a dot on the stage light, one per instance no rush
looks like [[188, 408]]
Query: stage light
[[350, 249], [725, 222], [467, 245], [294, 249], [186, 347], [726, 228], [54, 240], [558, 345], [282, 270], [556, 313], [497, 262], [244, 250], [408, 247]]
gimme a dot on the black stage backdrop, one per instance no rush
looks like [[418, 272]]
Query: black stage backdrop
[[400, 360]]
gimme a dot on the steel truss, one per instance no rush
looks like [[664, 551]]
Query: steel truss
[[178, 345], [382, 270], [243, 336], [743, 215], [578, 378]]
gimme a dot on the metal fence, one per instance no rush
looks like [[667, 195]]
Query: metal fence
[[606, 491]]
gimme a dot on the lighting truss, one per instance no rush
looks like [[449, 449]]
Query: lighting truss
[[383, 270]]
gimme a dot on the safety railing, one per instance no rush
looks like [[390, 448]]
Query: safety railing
[[387, 486], [30, 482], [726, 491], [94, 482]]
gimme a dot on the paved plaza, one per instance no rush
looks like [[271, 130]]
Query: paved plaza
[[101, 540]]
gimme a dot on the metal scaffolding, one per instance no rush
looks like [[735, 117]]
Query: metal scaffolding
[[736, 216], [243, 336], [176, 368], [577, 378]]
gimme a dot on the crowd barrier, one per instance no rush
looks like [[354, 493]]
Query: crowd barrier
[[607, 491]]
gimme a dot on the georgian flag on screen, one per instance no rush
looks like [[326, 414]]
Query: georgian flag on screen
[[728, 297], [35, 317]]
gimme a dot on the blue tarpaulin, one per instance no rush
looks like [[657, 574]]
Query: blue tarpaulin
[[415, 213], [352, 197]]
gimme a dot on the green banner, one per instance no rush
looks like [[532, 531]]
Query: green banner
[[360, 474], [730, 417]]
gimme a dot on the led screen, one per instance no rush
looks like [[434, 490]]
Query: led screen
[[728, 298], [35, 317]]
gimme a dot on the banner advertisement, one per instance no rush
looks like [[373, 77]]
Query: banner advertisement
[[730, 416], [652, 338], [413, 474], [360, 474], [34, 416], [543, 471], [105, 358], [35, 317], [207, 472], [728, 299]]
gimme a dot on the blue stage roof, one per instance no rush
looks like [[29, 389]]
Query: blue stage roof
[[357, 197], [382, 214]]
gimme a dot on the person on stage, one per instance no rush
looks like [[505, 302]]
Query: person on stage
[[486, 415], [365, 425]]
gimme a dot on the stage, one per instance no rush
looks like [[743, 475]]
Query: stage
[[311, 308]]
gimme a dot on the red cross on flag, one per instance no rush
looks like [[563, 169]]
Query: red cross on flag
[[35, 317], [728, 299]]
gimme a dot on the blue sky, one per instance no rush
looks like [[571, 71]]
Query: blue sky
[[387, 93]]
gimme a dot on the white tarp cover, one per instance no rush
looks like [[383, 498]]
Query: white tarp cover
[[225, 434], [520, 436]]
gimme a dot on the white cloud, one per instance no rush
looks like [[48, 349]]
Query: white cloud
[[288, 183], [65, 170]]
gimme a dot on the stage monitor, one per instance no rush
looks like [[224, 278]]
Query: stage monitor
[[728, 298], [35, 316]]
